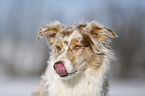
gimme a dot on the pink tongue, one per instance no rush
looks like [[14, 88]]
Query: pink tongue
[[60, 69]]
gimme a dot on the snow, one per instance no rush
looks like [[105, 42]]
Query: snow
[[127, 88], [18, 87], [24, 87]]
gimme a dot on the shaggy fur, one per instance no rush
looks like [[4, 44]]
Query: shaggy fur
[[79, 60]]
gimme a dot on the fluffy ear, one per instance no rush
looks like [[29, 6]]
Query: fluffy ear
[[99, 35], [50, 31], [110, 33], [100, 32]]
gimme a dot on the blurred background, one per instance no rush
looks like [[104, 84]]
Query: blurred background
[[23, 59]]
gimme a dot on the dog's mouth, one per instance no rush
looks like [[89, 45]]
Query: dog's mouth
[[61, 70]]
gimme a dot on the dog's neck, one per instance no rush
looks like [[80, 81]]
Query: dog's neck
[[89, 83]]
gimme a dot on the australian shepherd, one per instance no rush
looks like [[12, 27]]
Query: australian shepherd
[[79, 60]]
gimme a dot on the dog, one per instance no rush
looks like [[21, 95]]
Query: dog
[[79, 60]]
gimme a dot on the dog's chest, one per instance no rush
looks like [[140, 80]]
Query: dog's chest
[[74, 88]]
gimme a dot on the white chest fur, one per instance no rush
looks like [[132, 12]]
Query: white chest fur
[[87, 84]]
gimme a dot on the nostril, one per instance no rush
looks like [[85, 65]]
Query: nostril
[[59, 62]]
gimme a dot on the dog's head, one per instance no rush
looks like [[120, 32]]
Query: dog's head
[[78, 47]]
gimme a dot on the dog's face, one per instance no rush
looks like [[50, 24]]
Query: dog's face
[[76, 48]]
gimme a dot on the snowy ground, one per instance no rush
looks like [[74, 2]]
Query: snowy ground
[[127, 88], [24, 87], [17, 87]]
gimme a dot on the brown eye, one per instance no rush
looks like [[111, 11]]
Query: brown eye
[[95, 34], [58, 48], [77, 47]]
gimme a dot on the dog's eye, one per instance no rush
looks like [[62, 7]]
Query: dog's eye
[[77, 47], [95, 34], [58, 48]]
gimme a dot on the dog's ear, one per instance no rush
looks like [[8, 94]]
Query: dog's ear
[[50, 31], [100, 32], [98, 35]]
